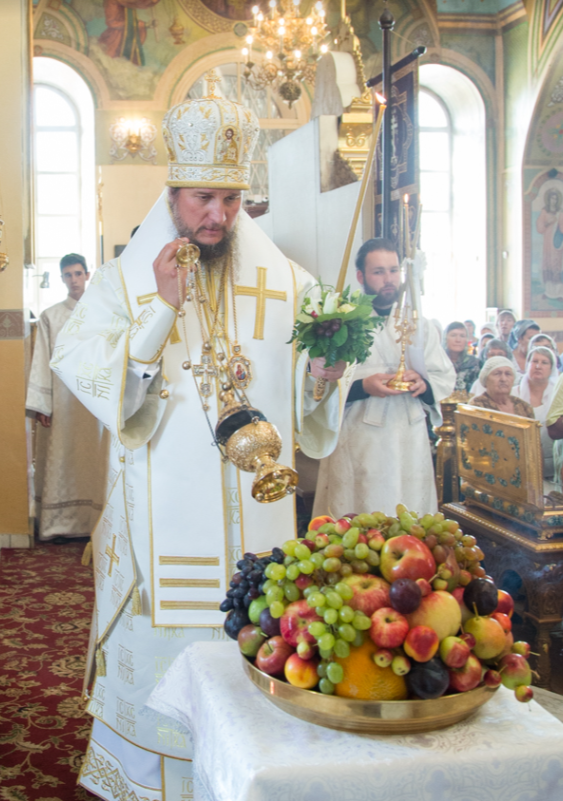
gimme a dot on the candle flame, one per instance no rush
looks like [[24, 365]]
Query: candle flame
[[380, 99], [406, 199]]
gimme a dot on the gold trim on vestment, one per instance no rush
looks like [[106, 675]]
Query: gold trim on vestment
[[151, 544], [124, 737], [124, 287], [190, 606], [132, 586], [122, 389], [212, 561], [178, 582]]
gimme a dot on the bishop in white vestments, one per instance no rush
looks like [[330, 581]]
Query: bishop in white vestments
[[152, 367], [383, 454], [70, 443]]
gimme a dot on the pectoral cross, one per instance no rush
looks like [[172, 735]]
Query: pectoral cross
[[207, 370], [261, 294], [144, 299], [113, 557]]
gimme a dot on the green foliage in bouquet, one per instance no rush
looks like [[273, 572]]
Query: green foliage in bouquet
[[339, 327]]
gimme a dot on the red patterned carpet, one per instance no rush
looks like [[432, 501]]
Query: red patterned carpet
[[46, 599]]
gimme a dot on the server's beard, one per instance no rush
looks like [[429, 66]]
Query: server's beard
[[210, 255]]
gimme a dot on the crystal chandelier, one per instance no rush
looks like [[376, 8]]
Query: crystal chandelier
[[291, 45]]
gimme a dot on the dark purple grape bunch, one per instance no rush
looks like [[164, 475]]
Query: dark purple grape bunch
[[328, 328], [246, 585]]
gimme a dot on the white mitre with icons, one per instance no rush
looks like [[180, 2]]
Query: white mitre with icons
[[210, 141]]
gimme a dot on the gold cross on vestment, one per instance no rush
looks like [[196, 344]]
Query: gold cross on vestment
[[207, 370], [142, 300], [212, 78], [261, 294], [113, 557]]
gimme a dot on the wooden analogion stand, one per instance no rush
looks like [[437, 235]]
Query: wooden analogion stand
[[493, 462]]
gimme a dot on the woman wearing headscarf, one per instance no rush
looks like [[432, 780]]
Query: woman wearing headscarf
[[537, 388], [519, 341], [495, 347], [484, 340], [466, 366], [547, 342], [506, 321], [497, 376]]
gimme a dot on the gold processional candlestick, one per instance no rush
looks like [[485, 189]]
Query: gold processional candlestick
[[405, 327]]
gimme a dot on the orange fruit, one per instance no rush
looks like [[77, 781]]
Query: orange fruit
[[364, 680]]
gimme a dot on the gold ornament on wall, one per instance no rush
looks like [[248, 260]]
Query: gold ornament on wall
[[133, 138]]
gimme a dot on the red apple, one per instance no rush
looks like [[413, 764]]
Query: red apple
[[388, 628], [317, 522], [522, 648], [341, 526], [421, 643], [490, 639], [523, 693], [295, 621], [301, 672], [425, 587], [250, 639], [467, 677], [492, 678], [273, 655], [505, 603], [454, 652], [376, 540], [400, 665], [370, 593], [468, 638], [383, 657], [504, 621], [406, 557], [440, 611], [515, 671]]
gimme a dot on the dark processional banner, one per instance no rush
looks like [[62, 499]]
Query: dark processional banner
[[404, 156]]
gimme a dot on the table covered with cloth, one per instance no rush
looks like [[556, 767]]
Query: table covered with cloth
[[246, 749]]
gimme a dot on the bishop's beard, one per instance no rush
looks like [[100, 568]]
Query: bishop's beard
[[210, 255]]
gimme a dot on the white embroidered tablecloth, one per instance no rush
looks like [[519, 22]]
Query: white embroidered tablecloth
[[246, 749]]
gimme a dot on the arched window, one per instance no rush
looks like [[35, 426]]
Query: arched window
[[453, 194], [275, 117], [64, 177]]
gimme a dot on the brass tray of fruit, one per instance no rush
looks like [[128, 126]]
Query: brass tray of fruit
[[376, 624]]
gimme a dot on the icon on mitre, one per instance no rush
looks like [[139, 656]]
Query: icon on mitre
[[227, 149]]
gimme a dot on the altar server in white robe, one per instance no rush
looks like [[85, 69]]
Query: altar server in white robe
[[151, 366], [70, 446], [383, 455]]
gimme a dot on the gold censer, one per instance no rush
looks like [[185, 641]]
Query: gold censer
[[250, 442], [253, 444]]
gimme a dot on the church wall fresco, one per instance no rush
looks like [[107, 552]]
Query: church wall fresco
[[543, 201]]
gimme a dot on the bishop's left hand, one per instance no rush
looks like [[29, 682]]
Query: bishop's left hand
[[318, 369], [418, 384]]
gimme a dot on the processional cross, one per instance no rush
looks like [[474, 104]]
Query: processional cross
[[261, 294], [113, 557]]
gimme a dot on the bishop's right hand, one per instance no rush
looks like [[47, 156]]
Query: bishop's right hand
[[166, 274]]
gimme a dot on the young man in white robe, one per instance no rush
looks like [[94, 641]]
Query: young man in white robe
[[152, 365], [383, 455], [70, 449]]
